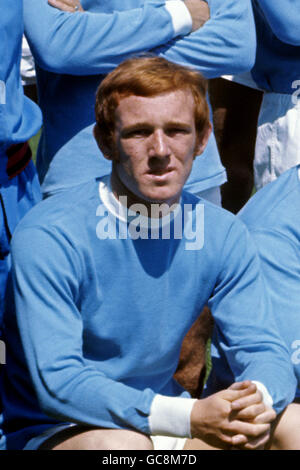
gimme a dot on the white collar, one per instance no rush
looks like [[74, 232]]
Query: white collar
[[121, 212]]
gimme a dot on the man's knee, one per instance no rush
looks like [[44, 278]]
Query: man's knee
[[106, 439], [129, 440]]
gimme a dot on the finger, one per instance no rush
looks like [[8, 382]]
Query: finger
[[239, 439], [240, 385], [250, 413], [65, 5], [68, 3], [258, 443], [226, 439], [61, 5], [235, 395], [246, 401], [250, 430], [266, 417]]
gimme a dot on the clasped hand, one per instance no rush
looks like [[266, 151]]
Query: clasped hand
[[233, 418]]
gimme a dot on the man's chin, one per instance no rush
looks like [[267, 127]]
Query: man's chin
[[161, 197]]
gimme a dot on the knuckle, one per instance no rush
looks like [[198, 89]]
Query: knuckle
[[260, 429], [249, 446], [225, 438]]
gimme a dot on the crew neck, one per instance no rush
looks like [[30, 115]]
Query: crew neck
[[127, 215]]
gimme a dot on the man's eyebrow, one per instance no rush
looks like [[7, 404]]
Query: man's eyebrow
[[137, 126], [180, 124], [147, 125]]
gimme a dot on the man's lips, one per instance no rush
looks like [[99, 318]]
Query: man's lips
[[160, 171]]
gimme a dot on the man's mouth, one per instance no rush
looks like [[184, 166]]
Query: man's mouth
[[160, 171]]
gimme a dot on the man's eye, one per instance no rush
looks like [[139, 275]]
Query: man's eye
[[137, 133], [177, 130]]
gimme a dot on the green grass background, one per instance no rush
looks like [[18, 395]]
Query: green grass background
[[34, 141]]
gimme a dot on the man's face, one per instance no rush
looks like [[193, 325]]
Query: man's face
[[155, 140]]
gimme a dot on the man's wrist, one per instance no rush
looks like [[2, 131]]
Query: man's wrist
[[171, 416], [181, 17]]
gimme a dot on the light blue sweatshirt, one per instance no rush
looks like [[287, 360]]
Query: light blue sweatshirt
[[277, 64], [273, 218], [102, 314], [73, 51]]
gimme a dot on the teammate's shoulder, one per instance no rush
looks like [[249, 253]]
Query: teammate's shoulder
[[276, 199]]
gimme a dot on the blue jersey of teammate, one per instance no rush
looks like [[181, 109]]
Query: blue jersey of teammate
[[273, 218], [277, 66], [20, 119]]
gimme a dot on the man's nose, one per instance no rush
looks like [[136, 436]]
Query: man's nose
[[159, 146]]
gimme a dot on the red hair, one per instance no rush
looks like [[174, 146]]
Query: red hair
[[147, 76]]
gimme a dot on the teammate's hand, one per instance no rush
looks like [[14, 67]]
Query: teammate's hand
[[199, 11], [71, 6]]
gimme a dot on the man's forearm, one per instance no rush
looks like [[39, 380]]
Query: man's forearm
[[225, 44], [88, 43], [199, 11]]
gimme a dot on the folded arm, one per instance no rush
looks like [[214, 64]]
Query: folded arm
[[226, 44], [88, 43]]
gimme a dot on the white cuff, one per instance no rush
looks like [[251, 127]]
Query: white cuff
[[267, 399], [181, 18], [171, 416]]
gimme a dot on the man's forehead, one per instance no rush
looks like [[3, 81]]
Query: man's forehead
[[179, 102]]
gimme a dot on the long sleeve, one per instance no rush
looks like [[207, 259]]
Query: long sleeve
[[67, 385], [93, 42], [245, 328], [226, 44], [280, 263], [283, 18]]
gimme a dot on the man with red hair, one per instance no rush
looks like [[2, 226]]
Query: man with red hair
[[124, 264]]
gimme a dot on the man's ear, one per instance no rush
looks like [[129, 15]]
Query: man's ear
[[107, 152], [201, 144]]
